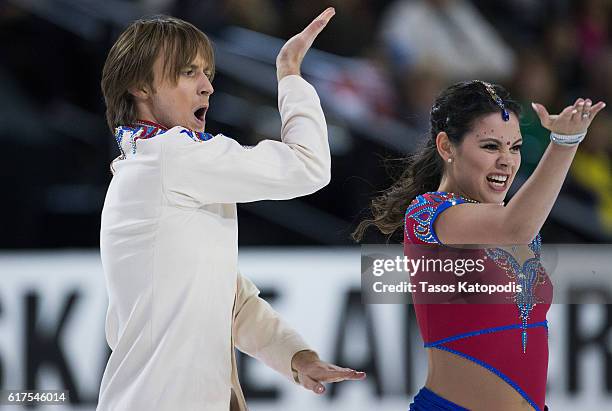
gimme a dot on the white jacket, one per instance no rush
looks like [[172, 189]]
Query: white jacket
[[168, 240]]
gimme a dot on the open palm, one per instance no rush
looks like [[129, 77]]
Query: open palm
[[574, 119], [290, 57]]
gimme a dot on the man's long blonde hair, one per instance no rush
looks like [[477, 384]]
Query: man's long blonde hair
[[130, 61]]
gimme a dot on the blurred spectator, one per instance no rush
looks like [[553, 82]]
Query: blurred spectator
[[534, 81], [450, 34], [256, 15], [358, 91], [522, 22], [157, 6], [418, 90], [352, 30], [592, 168], [210, 16], [599, 76], [593, 28], [561, 47]]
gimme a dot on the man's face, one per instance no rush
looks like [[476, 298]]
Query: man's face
[[182, 104]]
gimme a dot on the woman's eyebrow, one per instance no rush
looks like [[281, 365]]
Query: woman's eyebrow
[[520, 139]]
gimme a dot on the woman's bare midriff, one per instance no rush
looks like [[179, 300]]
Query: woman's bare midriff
[[470, 385]]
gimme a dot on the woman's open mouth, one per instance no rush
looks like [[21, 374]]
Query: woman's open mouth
[[498, 182]]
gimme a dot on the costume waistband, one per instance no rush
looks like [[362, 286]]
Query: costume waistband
[[427, 400]]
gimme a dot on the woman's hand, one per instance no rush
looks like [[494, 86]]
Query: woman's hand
[[290, 57], [573, 119]]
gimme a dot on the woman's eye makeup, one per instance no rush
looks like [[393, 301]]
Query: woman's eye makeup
[[495, 146]]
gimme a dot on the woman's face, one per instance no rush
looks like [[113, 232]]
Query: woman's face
[[485, 163]]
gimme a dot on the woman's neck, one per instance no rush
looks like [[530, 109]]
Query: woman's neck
[[448, 187]]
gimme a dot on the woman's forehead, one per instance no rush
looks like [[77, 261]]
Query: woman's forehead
[[493, 125]]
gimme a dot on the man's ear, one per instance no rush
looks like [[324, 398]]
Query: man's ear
[[444, 146], [140, 92]]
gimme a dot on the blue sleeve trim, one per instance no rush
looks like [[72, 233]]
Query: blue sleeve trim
[[443, 206], [424, 210]]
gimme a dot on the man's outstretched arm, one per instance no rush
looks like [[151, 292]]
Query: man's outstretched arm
[[261, 333]]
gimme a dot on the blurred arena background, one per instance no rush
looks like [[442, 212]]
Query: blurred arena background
[[377, 68]]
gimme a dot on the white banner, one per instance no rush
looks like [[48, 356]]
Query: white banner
[[53, 305]]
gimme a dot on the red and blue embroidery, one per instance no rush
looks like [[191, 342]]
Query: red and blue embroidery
[[126, 136], [424, 210]]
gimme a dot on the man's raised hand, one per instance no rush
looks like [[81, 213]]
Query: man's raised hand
[[292, 53]]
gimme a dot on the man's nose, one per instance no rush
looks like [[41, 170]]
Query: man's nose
[[206, 88]]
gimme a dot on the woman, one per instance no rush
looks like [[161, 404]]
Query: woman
[[483, 357]]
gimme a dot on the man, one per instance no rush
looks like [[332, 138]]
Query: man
[[168, 239]]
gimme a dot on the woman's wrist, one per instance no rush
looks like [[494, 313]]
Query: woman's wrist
[[567, 139]]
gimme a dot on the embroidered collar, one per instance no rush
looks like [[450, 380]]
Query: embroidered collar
[[126, 136]]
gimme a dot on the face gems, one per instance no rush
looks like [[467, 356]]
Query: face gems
[[495, 98]]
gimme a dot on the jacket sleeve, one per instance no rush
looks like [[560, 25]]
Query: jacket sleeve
[[220, 170], [261, 333]]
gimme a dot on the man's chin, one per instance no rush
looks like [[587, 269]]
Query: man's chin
[[198, 125]]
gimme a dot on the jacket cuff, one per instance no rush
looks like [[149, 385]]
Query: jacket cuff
[[294, 372], [282, 354]]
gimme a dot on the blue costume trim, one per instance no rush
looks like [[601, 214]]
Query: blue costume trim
[[485, 331], [426, 216], [446, 204], [494, 371], [196, 135], [427, 400]]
